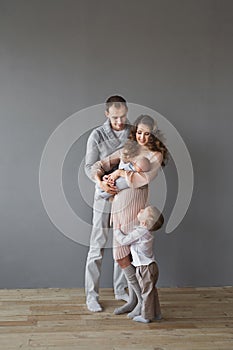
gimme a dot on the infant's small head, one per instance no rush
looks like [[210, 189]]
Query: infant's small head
[[142, 164], [151, 217]]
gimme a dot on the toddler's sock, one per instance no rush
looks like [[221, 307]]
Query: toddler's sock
[[141, 319], [134, 292]]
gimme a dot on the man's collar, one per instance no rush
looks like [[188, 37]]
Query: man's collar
[[110, 131]]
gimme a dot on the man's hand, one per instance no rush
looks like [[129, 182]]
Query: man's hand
[[108, 187]]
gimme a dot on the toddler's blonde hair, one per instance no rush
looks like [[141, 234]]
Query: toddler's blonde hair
[[155, 219]]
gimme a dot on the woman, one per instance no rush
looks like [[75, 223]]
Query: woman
[[127, 203]]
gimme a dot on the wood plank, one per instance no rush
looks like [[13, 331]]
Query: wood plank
[[57, 319]]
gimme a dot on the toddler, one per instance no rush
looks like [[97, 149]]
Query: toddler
[[141, 246]]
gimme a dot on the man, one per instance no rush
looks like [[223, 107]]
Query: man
[[103, 141]]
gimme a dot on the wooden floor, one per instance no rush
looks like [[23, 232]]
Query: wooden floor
[[57, 319]]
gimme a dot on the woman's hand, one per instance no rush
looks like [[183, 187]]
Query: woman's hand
[[114, 176]]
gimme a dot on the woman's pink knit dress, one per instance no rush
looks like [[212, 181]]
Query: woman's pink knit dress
[[125, 207]]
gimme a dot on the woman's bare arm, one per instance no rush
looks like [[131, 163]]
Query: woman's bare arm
[[139, 179]]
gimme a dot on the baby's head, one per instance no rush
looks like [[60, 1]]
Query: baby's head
[[151, 218], [142, 164]]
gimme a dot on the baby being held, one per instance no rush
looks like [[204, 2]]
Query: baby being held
[[141, 247], [138, 164]]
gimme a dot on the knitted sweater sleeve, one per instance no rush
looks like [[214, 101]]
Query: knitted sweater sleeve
[[92, 153]]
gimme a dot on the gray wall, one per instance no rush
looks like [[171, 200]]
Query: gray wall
[[60, 56]]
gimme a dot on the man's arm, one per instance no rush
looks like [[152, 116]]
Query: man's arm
[[94, 168], [92, 153], [130, 237], [104, 185]]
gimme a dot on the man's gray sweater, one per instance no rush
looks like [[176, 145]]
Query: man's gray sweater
[[101, 143]]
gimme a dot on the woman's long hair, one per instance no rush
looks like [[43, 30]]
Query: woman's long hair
[[156, 138]]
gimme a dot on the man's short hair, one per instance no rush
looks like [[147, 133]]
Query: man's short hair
[[116, 101]]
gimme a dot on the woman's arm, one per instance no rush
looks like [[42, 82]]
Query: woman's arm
[[139, 179], [106, 164], [111, 178]]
